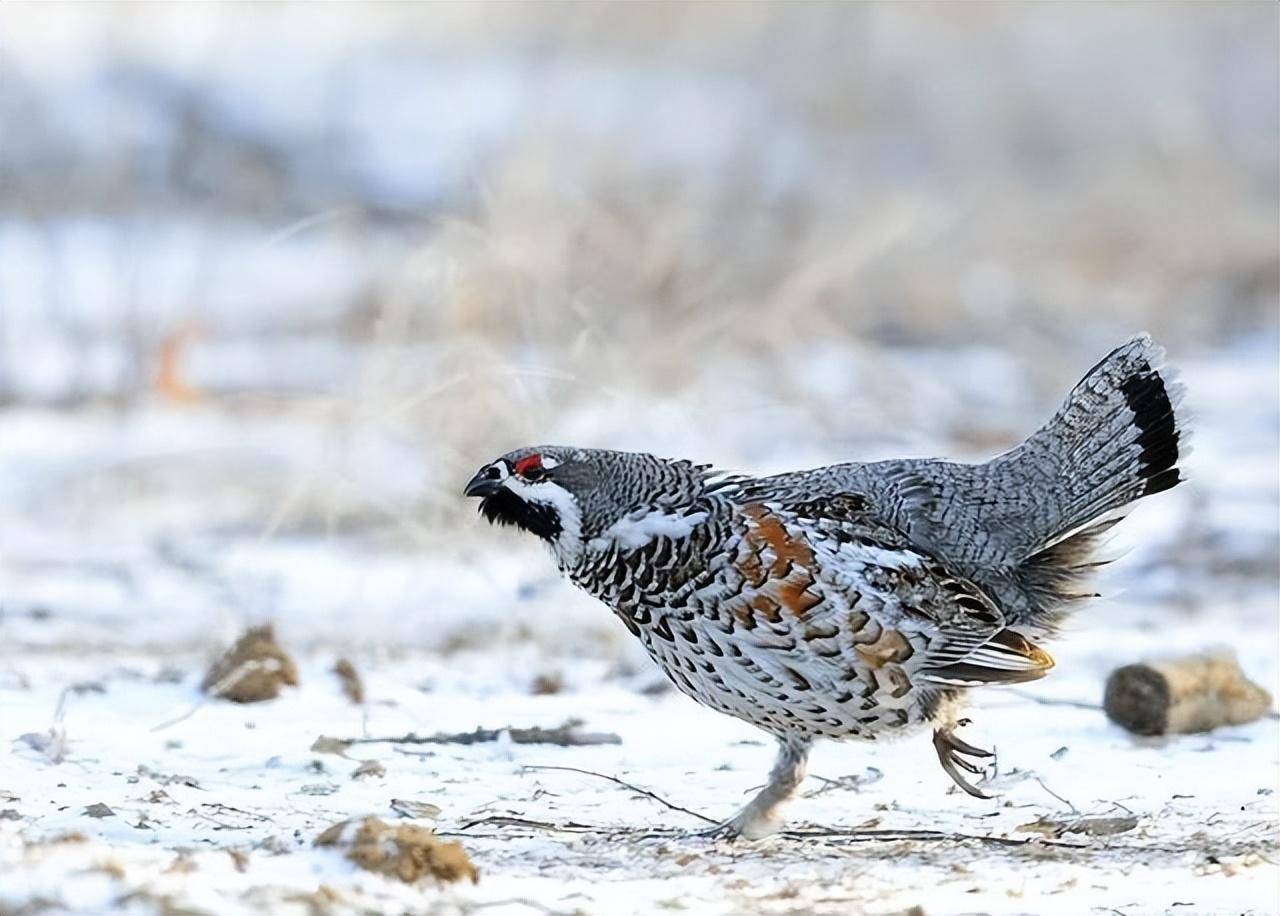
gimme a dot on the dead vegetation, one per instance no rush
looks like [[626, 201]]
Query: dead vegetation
[[567, 734], [955, 186], [349, 677], [547, 684], [252, 670], [408, 852]]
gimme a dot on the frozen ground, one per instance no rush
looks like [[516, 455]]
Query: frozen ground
[[275, 279], [242, 779], [134, 545]]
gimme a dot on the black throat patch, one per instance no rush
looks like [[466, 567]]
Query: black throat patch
[[505, 508]]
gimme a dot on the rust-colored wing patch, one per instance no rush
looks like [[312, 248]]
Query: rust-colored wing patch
[[777, 567], [765, 530]]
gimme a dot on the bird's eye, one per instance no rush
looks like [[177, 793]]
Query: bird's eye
[[493, 473]]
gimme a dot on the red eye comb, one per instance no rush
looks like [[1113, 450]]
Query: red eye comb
[[529, 463]]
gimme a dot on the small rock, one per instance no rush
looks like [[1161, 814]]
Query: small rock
[[1100, 826], [318, 788], [1089, 826], [369, 768], [326, 745], [407, 807]]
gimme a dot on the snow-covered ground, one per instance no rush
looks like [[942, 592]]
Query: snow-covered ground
[[126, 561], [276, 279], [235, 779]]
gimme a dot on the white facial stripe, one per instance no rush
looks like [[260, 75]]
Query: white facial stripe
[[632, 531], [553, 494]]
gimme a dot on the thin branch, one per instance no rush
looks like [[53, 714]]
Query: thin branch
[[1073, 808], [502, 820], [626, 785], [885, 835], [168, 723], [927, 835], [1050, 701], [563, 735]]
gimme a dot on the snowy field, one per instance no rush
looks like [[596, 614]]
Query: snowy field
[[115, 604], [275, 280]]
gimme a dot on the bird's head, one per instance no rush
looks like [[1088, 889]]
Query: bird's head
[[574, 497]]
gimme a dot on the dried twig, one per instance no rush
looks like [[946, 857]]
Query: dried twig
[[502, 820], [1073, 808], [854, 834], [1050, 701], [564, 735], [168, 723], [854, 781], [925, 835], [221, 808], [626, 785]]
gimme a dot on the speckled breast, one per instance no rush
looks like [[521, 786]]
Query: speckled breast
[[759, 618]]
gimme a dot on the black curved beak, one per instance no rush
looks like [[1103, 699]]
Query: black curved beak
[[482, 484]]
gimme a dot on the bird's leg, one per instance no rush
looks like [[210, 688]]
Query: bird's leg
[[951, 753], [759, 818]]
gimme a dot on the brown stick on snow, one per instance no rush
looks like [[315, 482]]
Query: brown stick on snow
[[1195, 693], [566, 734]]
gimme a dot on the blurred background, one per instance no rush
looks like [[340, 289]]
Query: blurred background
[[276, 279]]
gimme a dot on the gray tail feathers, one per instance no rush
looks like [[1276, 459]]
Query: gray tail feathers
[[1118, 437]]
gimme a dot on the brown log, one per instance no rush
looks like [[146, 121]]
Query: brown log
[[1195, 693]]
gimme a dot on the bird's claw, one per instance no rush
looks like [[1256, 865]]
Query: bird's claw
[[747, 824], [950, 748], [725, 831]]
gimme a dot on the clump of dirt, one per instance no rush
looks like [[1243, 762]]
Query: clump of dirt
[[547, 684], [405, 851], [352, 686], [252, 670]]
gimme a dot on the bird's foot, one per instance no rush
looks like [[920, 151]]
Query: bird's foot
[[952, 752], [727, 831], [746, 824]]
